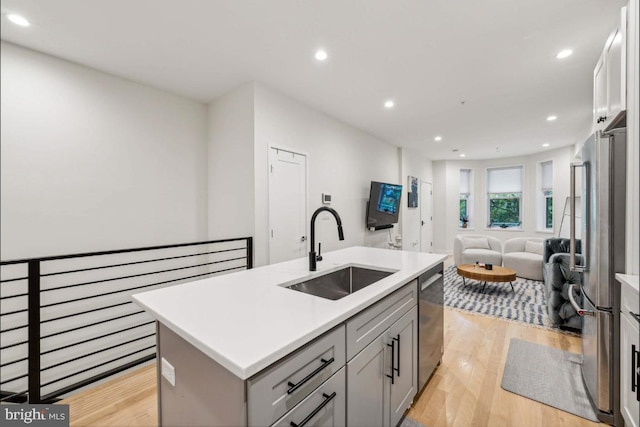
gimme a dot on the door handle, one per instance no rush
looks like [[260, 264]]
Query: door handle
[[393, 359], [421, 222], [635, 371], [398, 368], [572, 217], [303, 239], [581, 311]]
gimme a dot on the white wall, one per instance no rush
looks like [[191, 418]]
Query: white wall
[[440, 206], [412, 164], [231, 173], [93, 162], [447, 189], [342, 161]]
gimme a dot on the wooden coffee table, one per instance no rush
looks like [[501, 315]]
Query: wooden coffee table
[[497, 274]]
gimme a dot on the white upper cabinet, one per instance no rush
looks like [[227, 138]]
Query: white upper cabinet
[[609, 78]]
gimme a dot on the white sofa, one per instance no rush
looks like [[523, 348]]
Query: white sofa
[[467, 249], [524, 255]]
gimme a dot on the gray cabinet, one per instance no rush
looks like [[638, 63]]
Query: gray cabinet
[[404, 334], [368, 385], [382, 378]]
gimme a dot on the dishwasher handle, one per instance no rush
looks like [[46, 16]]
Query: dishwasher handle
[[431, 280]]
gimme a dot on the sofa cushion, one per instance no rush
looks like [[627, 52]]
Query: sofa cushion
[[471, 256], [475, 243], [526, 264], [534, 247]]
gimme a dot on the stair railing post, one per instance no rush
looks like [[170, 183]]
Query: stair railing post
[[34, 331], [249, 253]]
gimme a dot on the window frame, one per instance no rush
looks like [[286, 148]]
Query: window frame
[[520, 196], [545, 196], [467, 197]]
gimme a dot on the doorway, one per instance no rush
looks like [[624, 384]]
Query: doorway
[[287, 205], [426, 216]]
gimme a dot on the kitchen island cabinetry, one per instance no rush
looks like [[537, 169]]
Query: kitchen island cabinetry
[[382, 379], [273, 356]]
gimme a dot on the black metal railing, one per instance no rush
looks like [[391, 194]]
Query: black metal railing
[[69, 321]]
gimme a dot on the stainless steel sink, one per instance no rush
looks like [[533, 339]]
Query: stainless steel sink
[[340, 283]]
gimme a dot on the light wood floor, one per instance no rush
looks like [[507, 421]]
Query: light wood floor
[[464, 391]]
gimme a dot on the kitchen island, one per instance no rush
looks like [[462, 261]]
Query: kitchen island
[[218, 338]]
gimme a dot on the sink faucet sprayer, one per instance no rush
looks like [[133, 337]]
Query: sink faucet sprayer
[[312, 255]]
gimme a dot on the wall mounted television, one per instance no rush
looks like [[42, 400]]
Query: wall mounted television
[[384, 205]]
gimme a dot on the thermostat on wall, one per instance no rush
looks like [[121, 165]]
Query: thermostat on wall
[[326, 199]]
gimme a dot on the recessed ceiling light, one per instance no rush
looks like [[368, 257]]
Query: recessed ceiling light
[[564, 53], [437, 138], [546, 144], [321, 55], [462, 155], [18, 20], [389, 104], [551, 118]]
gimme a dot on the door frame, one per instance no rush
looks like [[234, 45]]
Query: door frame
[[430, 224], [306, 194]]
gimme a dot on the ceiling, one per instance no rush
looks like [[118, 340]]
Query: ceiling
[[482, 74]]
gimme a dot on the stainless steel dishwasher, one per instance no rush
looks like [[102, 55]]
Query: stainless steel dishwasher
[[431, 318]]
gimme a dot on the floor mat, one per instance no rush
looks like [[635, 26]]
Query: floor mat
[[547, 375]]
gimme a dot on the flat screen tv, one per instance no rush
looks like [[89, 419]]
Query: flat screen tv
[[384, 205]]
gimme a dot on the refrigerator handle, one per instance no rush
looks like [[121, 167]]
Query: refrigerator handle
[[572, 224], [581, 311]]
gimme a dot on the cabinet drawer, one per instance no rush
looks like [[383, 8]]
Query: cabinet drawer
[[366, 326], [276, 390], [325, 407]]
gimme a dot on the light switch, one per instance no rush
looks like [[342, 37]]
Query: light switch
[[168, 372]]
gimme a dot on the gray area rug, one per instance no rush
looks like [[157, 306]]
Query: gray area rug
[[408, 422], [547, 375], [528, 304]]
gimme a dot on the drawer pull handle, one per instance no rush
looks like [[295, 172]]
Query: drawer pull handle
[[327, 399], [294, 387]]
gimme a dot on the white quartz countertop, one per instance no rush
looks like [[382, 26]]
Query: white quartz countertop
[[247, 320], [629, 279]]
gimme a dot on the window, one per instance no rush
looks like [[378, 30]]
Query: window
[[465, 197], [504, 197], [545, 208]]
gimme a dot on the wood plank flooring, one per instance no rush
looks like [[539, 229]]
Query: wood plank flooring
[[464, 391]]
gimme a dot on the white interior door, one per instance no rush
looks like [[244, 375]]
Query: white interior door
[[287, 205], [426, 216]]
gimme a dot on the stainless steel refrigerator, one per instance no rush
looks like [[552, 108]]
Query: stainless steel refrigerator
[[604, 175]]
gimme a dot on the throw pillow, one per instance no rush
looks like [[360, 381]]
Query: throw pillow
[[533, 247], [475, 243]]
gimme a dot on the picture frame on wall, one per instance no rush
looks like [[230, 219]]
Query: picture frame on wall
[[412, 185]]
